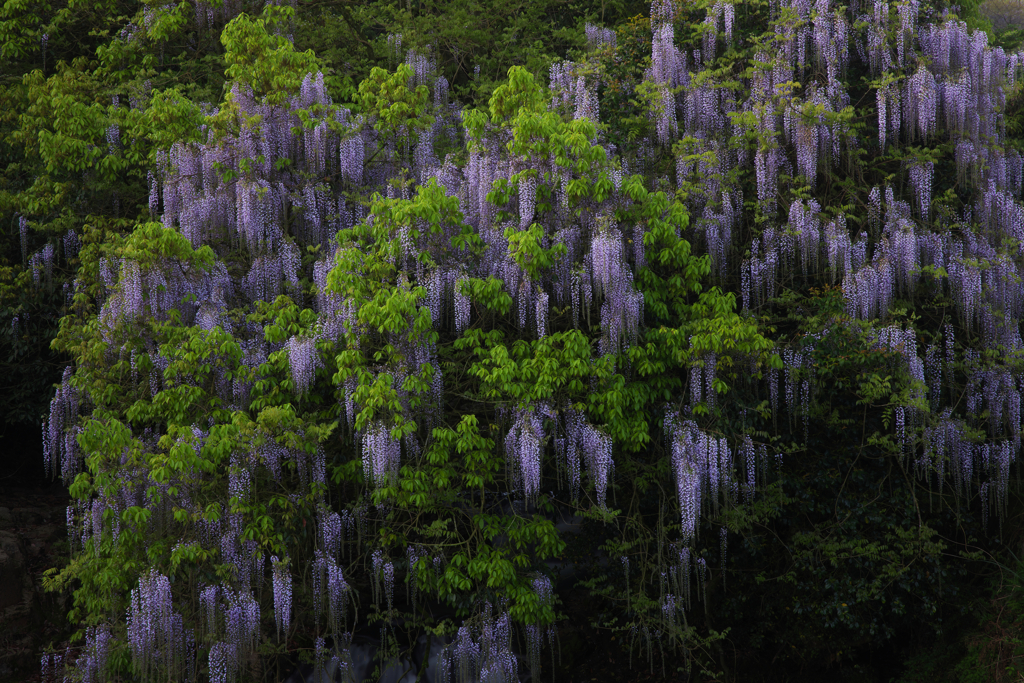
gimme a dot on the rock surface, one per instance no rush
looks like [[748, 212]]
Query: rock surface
[[33, 538]]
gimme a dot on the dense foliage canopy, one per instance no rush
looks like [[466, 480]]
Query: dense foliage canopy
[[713, 315]]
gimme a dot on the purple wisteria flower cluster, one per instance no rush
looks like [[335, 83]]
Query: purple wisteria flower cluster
[[482, 654], [703, 468], [523, 446], [157, 634], [583, 441]]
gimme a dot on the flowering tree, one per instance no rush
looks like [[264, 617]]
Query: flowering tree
[[352, 348], [364, 389]]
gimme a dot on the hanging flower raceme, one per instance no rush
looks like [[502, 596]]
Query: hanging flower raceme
[[523, 448], [583, 441], [156, 633], [303, 360], [381, 454], [703, 470]]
